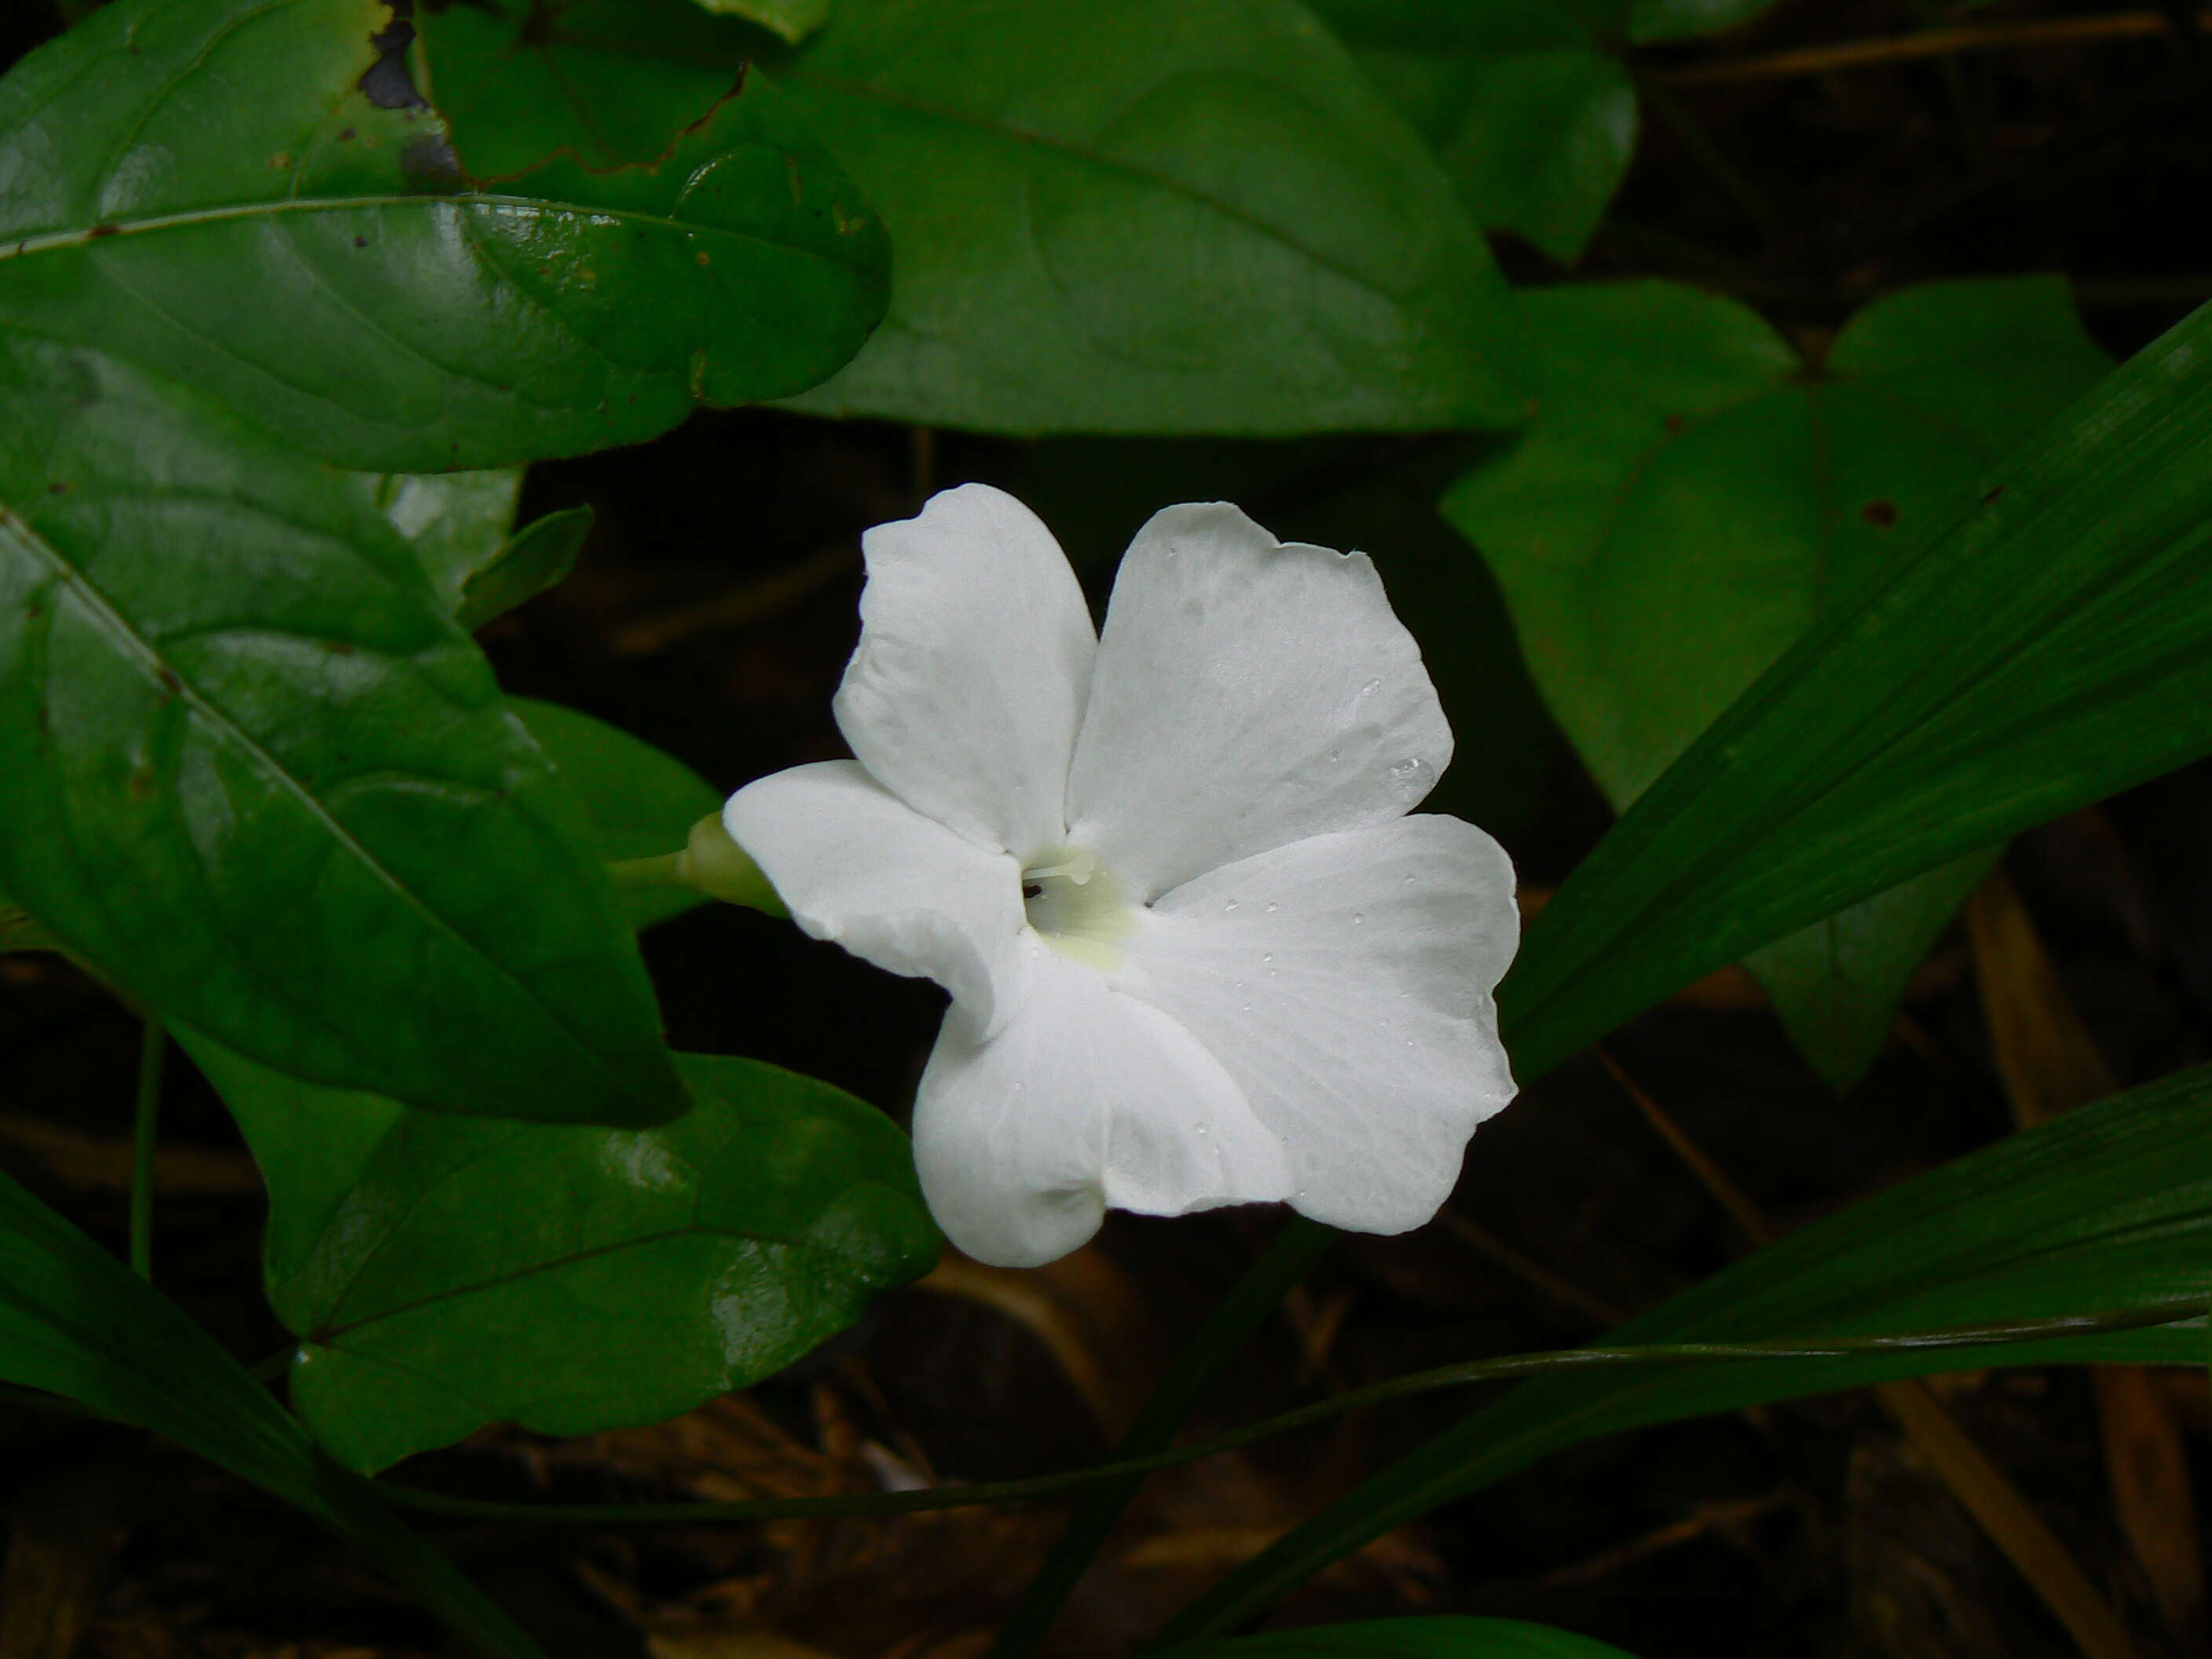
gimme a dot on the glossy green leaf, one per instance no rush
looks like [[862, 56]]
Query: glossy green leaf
[[317, 255], [2053, 646], [1691, 494], [1080, 190], [258, 775], [1407, 1638], [1148, 216], [455, 522], [792, 20], [1532, 118], [2106, 1208], [640, 801], [442, 1273], [76, 1322]]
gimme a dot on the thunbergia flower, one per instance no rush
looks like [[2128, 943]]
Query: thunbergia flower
[[1198, 953]]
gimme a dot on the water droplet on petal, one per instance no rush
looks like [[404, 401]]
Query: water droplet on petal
[[1231, 905], [1336, 754], [1409, 881], [1247, 1007], [1357, 919], [1370, 686], [1272, 907], [1409, 779], [1269, 957], [1203, 1129]]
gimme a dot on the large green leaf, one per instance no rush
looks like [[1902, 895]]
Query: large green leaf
[[1407, 1638], [2106, 1208], [258, 775], [1532, 120], [639, 801], [76, 1322], [1691, 494], [252, 199], [2053, 646], [442, 1273], [1148, 216]]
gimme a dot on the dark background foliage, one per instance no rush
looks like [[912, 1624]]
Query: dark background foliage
[[712, 612]]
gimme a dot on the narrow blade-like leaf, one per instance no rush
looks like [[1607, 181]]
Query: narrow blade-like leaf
[[2053, 646], [2109, 1208], [77, 1323]]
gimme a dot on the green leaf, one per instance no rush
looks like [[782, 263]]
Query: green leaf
[[792, 20], [442, 1274], [2052, 646], [640, 801], [317, 256], [76, 1322], [1171, 217], [534, 558], [1691, 494], [2109, 1208], [258, 776], [1407, 1638], [455, 522], [1532, 120], [461, 526]]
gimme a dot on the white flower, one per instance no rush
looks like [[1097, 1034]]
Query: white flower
[[1198, 952]]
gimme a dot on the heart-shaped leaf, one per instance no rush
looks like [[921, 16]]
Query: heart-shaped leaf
[[2049, 649], [443, 1273], [319, 255], [260, 777], [1691, 494]]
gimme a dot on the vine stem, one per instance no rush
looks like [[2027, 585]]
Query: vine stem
[[1124, 1472], [145, 1133]]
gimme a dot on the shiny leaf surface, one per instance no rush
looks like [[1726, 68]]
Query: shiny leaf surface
[[1083, 191], [442, 1274], [259, 778], [1691, 494], [2107, 1208], [323, 256]]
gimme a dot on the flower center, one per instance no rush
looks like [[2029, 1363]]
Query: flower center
[[1078, 908]]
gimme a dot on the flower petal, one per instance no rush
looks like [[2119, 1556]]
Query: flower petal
[[1087, 1099], [1345, 983], [1248, 694], [859, 867], [964, 694]]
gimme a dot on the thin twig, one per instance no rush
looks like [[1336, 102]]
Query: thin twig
[[144, 1136], [1904, 48]]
